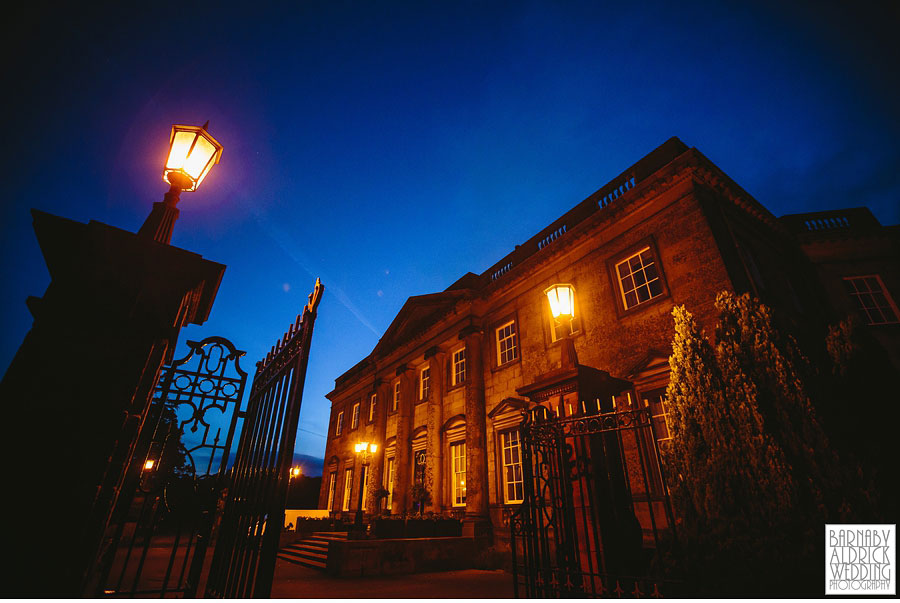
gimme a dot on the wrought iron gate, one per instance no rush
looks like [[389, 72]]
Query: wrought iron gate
[[244, 560], [596, 519], [157, 544]]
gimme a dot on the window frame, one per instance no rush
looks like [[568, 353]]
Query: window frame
[[339, 424], [424, 383], [856, 298], [515, 335], [618, 291], [348, 489], [515, 464], [389, 482], [457, 498], [332, 489], [455, 372], [397, 395], [373, 400], [354, 415]]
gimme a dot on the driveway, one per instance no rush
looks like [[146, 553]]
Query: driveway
[[295, 581]]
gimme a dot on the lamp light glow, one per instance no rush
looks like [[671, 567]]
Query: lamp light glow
[[192, 153], [562, 301], [148, 464]]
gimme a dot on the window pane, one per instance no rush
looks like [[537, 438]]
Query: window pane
[[655, 288], [630, 299]]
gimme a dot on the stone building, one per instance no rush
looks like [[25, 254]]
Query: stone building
[[442, 392]]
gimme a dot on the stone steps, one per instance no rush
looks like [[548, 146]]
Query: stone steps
[[311, 552]]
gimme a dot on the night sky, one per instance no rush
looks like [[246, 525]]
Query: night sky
[[389, 148]]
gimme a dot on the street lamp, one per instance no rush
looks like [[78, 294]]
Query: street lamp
[[363, 450], [562, 302], [192, 153]]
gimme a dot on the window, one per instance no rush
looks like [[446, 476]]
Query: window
[[639, 278], [373, 399], [424, 383], [458, 473], [513, 483], [507, 346], [354, 419], [332, 483], [389, 486], [459, 367], [656, 401], [395, 403], [348, 484], [339, 424], [872, 299]]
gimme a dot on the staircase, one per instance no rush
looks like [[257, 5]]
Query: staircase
[[311, 552]]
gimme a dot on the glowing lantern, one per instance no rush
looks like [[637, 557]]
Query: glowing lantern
[[562, 301], [192, 153]]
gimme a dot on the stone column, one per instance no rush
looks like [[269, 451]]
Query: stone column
[[376, 464], [477, 522], [403, 458], [434, 422]]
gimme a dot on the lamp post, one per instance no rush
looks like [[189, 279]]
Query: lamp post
[[192, 153], [363, 450], [294, 472], [562, 307]]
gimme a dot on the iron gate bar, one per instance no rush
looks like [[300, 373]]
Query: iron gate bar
[[243, 564], [568, 462], [207, 388]]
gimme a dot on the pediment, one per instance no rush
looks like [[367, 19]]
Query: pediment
[[508, 405], [417, 314], [654, 363]]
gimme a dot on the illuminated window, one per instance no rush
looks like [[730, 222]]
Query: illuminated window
[[389, 486], [373, 399], [339, 424], [507, 343], [513, 483], [656, 401], [639, 278], [459, 367], [332, 483], [872, 299], [354, 420], [395, 403], [424, 383], [348, 484], [458, 473]]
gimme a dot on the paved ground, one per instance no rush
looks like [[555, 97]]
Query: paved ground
[[294, 581]]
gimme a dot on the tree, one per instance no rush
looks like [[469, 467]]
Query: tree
[[747, 461]]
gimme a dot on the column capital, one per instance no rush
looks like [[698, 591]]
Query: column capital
[[432, 351], [470, 330]]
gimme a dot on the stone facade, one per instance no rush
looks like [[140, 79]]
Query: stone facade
[[673, 209]]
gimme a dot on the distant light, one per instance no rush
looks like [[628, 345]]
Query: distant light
[[562, 301], [148, 465], [295, 471], [192, 153]]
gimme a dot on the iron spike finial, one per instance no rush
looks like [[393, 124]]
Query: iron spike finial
[[206, 125]]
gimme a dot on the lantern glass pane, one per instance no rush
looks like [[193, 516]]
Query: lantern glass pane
[[181, 146], [554, 302], [199, 158], [565, 301]]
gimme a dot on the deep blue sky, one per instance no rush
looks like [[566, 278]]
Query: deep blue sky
[[391, 147]]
